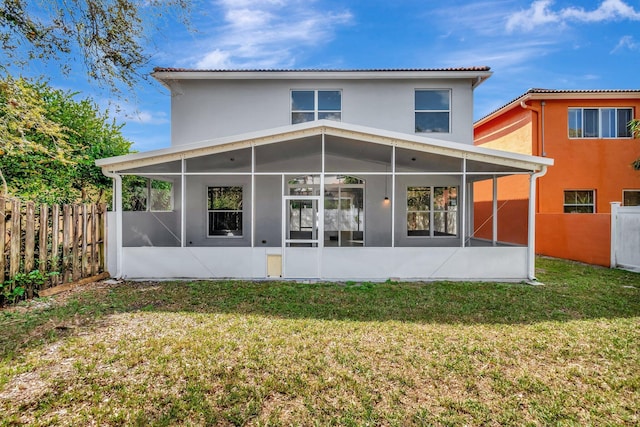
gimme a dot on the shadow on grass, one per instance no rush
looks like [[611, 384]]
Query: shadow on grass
[[571, 291]]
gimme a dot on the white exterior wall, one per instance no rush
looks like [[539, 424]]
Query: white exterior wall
[[208, 109], [377, 264]]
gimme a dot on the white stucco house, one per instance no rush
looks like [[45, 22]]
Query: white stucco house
[[319, 175]]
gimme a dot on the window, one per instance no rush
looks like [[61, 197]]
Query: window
[[630, 197], [579, 201], [144, 194], [309, 105], [224, 206], [599, 122], [432, 211], [433, 110]]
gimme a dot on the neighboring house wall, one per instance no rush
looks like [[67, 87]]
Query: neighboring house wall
[[599, 164], [208, 109]]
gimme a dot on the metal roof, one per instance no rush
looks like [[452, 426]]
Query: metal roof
[[327, 127]]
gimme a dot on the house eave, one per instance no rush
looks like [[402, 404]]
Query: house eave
[[478, 74]]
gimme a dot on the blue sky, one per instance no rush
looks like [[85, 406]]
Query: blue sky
[[572, 44]]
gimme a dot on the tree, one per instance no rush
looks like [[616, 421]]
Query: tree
[[634, 126], [50, 143], [22, 113], [109, 35]]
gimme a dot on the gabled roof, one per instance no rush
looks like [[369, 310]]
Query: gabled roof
[[479, 74], [547, 94], [327, 127]]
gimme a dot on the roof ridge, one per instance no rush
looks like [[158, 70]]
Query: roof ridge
[[557, 91]]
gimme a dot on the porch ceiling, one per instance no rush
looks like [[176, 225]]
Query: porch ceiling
[[356, 136]]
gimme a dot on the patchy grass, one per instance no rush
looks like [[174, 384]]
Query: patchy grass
[[268, 354]]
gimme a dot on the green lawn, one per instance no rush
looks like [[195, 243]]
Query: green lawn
[[267, 353]]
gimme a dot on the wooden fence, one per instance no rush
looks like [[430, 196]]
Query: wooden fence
[[67, 240]]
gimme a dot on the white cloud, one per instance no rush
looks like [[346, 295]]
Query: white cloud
[[609, 10], [268, 34], [216, 59], [503, 55], [540, 13], [626, 43], [148, 117]]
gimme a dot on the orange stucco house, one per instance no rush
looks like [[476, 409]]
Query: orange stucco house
[[586, 133]]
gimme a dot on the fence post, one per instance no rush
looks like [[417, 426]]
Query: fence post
[[30, 237], [43, 239], [102, 236], [55, 242], [85, 254], [14, 256], [94, 241], [615, 206], [29, 243], [67, 238], [3, 238], [75, 249]]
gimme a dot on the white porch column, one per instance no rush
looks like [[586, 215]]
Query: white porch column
[[465, 203], [183, 203], [117, 210], [531, 244], [253, 195], [393, 196]]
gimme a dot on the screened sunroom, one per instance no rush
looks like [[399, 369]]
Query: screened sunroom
[[320, 201]]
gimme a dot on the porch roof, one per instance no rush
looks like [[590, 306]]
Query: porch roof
[[326, 127]]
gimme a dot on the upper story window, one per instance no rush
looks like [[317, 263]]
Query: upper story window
[[309, 105], [600, 122], [433, 110]]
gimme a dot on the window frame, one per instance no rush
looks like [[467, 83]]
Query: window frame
[[417, 111], [630, 190], [601, 119], [316, 104], [592, 204], [209, 211], [432, 209]]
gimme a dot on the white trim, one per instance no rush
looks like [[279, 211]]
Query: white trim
[[465, 203], [253, 195], [170, 76], [393, 196], [183, 204], [350, 173], [531, 242]]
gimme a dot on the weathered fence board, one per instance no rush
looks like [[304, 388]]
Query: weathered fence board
[[66, 240]]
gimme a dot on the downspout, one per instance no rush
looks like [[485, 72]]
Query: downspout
[[539, 126], [531, 251], [117, 207]]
